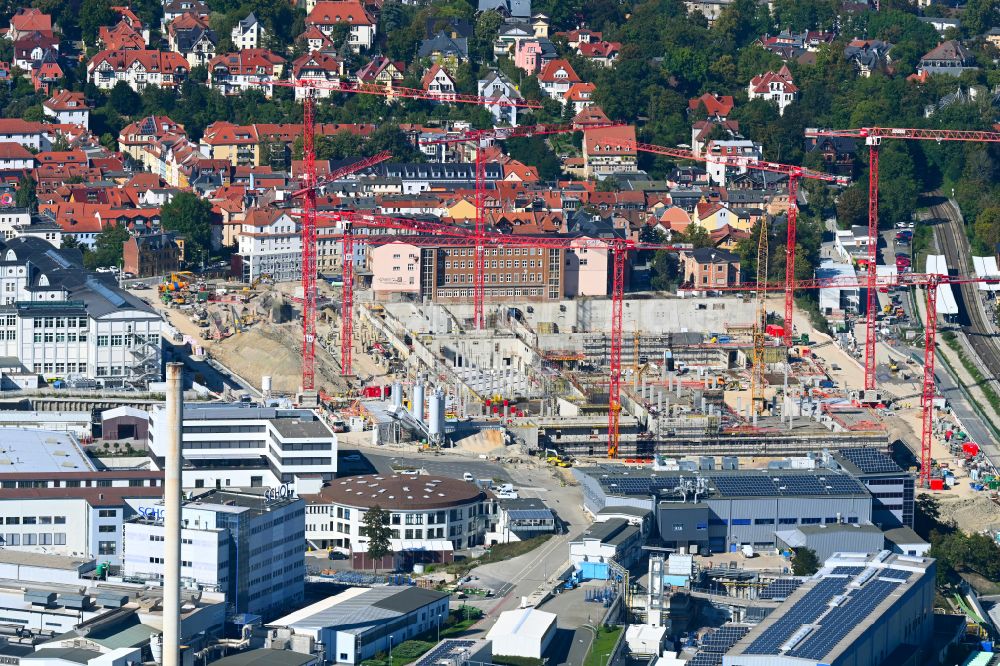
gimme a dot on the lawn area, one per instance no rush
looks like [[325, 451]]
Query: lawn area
[[409, 651], [603, 644], [497, 553]]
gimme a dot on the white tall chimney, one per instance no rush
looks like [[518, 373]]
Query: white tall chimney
[[172, 517]]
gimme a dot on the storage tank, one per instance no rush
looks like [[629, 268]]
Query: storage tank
[[397, 395], [265, 384], [418, 399], [434, 410]]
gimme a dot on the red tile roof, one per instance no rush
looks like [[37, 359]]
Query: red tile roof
[[715, 105], [121, 36], [762, 82], [9, 150], [599, 49], [66, 100], [247, 62], [151, 61], [619, 140], [316, 60], [31, 20], [329, 13], [548, 73]]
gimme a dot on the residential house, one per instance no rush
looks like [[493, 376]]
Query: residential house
[[507, 8], [608, 151], [46, 73], [29, 21], [437, 81], [249, 69], [136, 135], [164, 69], [705, 268], [15, 157], [556, 78], [236, 144], [173, 9], [580, 96], [190, 36], [702, 132], [453, 27], [586, 269], [248, 33], [941, 23], [710, 9], [735, 150], [444, 49], [533, 54], [381, 71], [589, 116], [67, 107], [317, 67], [174, 158], [776, 87], [600, 53], [993, 36], [325, 15], [838, 153], [868, 55], [395, 270], [32, 49], [121, 36], [269, 244], [151, 255], [949, 58], [315, 40], [511, 32], [502, 93], [716, 106], [574, 38]]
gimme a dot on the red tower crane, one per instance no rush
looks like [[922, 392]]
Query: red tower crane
[[477, 137], [794, 173], [310, 181], [873, 136], [930, 282]]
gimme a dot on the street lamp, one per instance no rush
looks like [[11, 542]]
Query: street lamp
[[390, 649], [439, 628]]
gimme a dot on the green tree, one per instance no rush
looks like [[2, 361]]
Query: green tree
[[665, 270], [805, 562], [124, 100], [852, 206], [378, 531], [94, 14], [107, 247], [25, 196], [987, 228], [483, 35], [190, 216], [697, 235], [534, 151]]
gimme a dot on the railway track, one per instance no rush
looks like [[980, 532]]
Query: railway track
[[979, 331]]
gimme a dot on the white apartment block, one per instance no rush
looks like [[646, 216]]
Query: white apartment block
[[270, 244]]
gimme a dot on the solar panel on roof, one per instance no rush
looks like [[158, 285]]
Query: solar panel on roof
[[847, 571], [706, 659], [113, 298], [805, 611], [780, 589], [871, 461], [842, 619]]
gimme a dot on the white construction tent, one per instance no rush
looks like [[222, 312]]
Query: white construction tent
[[986, 267], [947, 306]]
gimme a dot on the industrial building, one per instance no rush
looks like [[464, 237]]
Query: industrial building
[[359, 623], [613, 540], [421, 508], [242, 446], [859, 610], [59, 320], [716, 511], [890, 485], [247, 545]]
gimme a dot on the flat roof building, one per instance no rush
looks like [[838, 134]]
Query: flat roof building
[[717, 511], [30, 451], [360, 622], [228, 445], [857, 610], [890, 485], [524, 632]]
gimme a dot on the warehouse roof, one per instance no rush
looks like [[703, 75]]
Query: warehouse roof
[[398, 492], [41, 451], [732, 484]]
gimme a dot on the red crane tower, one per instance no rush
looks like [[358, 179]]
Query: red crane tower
[[478, 136], [309, 202], [458, 236], [794, 173], [873, 136], [930, 282]]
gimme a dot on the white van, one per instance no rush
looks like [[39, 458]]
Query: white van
[[468, 477]]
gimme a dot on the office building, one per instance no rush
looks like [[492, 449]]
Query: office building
[[359, 623], [247, 545], [520, 519], [58, 319], [890, 485], [228, 445], [421, 508], [859, 610]]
